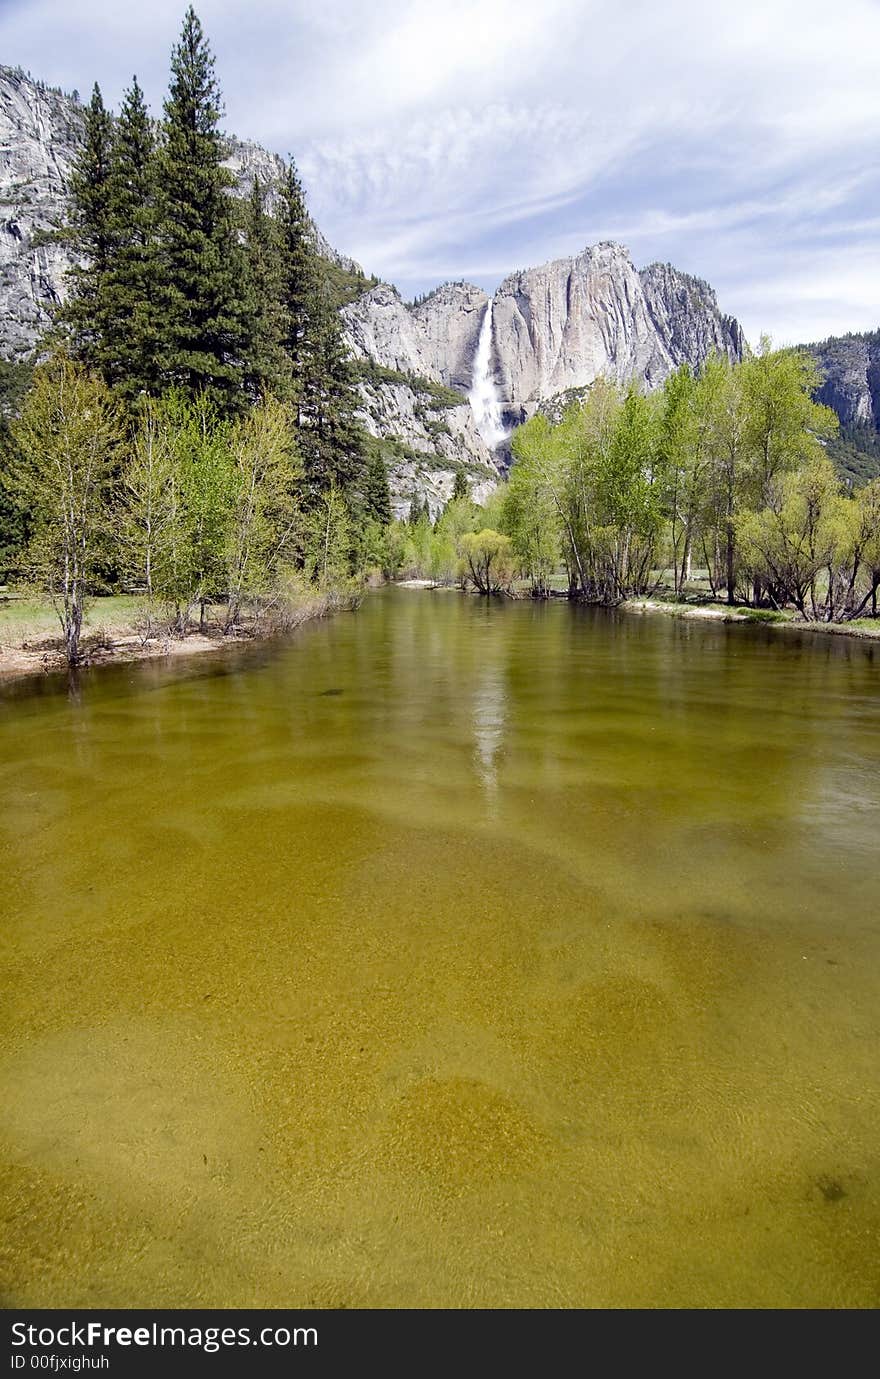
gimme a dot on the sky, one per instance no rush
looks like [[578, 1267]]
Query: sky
[[469, 138]]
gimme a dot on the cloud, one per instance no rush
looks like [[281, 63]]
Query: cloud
[[483, 135]]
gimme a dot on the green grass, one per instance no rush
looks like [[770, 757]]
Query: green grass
[[24, 619], [762, 614]]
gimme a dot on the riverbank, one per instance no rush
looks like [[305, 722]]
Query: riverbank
[[863, 628], [866, 629], [116, 633]]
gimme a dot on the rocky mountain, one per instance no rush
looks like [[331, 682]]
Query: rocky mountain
[[39, 129], [554, 329], [850, 365], [850, 368], [551, 329]]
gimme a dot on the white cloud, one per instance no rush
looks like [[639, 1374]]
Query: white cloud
[[476, 137]]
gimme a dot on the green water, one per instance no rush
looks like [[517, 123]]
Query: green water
[[446, 955]]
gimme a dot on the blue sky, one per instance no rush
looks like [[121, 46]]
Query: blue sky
[[468, 139]]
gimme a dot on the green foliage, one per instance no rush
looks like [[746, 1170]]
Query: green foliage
[[130, 352], [210, 509], [201, 258], [90, 190], [184, 290], [327, 541], [262, 539], [488, 561], [267, 367], [530, 516], [856, 454], [433, 396], [66, 443], [343, 285], [15, 379], [377, 495], [728, 465], [460, 488]]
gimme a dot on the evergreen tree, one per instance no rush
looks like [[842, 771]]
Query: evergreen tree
[[86, 313], [299, 270], [267, 366], [460, 488], [377, 495], [131, 354], [415, 511], [331, 439], [202, 261]]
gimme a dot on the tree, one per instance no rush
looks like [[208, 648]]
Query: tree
[[299, 270], [263, 526], [804, 530], [15, 379], [327, 541], [205, 482], [85, 314], [488, 561], [460, 488], [148, 503], [267, 367], [67, 440], [331, 439], [131, 351], [721, 394], [783, 423], [377, 494], [205, 326], [530, 514]]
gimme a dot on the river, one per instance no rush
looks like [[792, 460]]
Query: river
[[449, 953]]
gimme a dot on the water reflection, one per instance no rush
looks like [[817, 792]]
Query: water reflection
[[489, 716]]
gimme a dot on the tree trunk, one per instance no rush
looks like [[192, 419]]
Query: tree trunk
[[731, 575]]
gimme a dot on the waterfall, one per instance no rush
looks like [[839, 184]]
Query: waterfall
[[483, 397]]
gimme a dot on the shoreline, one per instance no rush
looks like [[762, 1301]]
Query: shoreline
[[723, 613], [699, 612], [18, 662], [127, 648]]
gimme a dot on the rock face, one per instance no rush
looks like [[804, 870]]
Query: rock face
[[39, 129], [555, 329], [432, 429], [560, 326], [850, 366]]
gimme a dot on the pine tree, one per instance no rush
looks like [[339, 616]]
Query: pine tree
[[460, 488], [131, 354], [299, 270], [377, 495], [415, 511], [202, 261], [267, 366], [85, 314], [331, 439]]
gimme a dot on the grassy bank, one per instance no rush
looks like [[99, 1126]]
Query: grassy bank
[[122, 627], [786, 619]]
